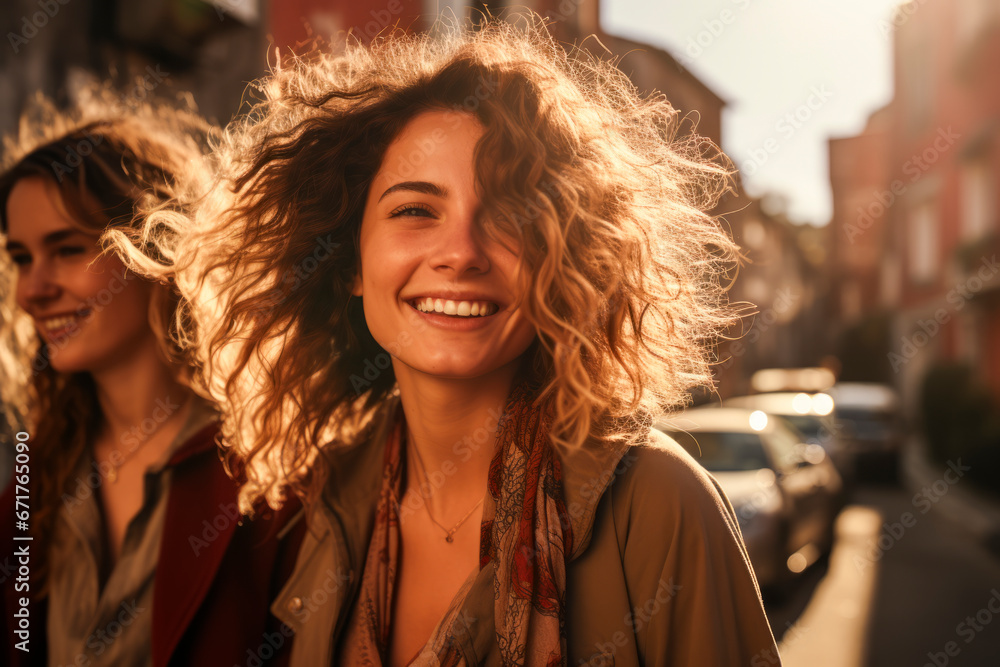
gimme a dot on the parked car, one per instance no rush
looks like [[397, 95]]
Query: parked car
[[811, 414], [870, 427], [786, 493]]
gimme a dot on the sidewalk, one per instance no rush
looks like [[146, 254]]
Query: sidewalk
[[958, 502]]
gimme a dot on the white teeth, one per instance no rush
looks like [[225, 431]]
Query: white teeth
[[56, 323], [455, 308]]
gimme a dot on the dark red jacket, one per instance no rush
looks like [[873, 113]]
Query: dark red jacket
[[215, 578]]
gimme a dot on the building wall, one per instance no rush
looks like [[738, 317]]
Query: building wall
[[165, 48], [945, 161], [858, 174]]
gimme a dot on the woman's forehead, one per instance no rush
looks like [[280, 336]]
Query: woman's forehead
[[437, 130], [435, 146], [36, 209]]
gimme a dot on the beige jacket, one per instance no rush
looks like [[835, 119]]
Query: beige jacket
[[659, 574]]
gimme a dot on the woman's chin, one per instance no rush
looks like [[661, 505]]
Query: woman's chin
[[451, 372], [67, 364], [456, 368], [69, 360]]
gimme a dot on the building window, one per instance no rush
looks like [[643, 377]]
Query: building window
[[917, 80], [923, 244], [850, 301], [978, 204], [754, 234], [890, 283], [972, 18], [435, 8]]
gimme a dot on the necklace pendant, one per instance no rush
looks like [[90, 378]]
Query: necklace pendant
[[113, 475], [449, 538]]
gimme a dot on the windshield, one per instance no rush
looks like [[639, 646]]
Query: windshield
[[868, 424], [813, 428], [724, 452]]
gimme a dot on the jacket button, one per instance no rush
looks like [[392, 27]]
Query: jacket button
[[295, 604]]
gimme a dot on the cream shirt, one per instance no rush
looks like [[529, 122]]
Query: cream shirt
[[99, 614]]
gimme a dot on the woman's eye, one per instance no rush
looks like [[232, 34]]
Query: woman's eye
[[69, 251], [21, 260], [411, 210]]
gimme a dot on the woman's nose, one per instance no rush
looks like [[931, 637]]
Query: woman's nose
[[37, 283], [459, 247]]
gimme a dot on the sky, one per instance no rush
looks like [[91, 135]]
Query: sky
[[794, 73]]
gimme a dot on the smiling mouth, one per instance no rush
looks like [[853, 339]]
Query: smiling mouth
[[455, 308], [63, 323]]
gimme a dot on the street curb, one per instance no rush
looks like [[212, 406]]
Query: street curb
[[963, 505]]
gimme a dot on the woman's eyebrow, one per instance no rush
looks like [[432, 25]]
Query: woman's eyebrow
[[49, 239], [422, 187]]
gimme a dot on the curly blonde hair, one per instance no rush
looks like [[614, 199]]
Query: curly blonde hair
[[625, 266], [112, 151]]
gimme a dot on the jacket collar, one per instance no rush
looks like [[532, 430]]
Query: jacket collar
[[354, 482], [194, 542], [200, 520], [586, 473], [355, 479], [330, 560], [192, 438], [333, 551]]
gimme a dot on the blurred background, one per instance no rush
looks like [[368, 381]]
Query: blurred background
[[856, 422]]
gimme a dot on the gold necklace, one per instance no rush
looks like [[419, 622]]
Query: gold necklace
[[112, 474], [448, 534]]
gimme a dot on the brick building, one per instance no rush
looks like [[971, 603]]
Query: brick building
[[917, 204], [945, 165]]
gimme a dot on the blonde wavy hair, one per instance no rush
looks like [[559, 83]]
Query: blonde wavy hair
[[625, 266], [112, 151]]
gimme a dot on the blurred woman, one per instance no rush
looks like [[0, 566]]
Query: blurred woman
[[136, 553], [444, 285]]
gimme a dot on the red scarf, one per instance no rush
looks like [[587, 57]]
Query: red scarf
[[526, 532]]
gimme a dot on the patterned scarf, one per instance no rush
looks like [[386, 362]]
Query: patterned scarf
[[525, 531]]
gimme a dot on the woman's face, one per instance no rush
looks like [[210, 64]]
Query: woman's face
[[91, 315], [437, 294]]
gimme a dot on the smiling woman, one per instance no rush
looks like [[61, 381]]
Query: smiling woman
[[123, 465], [89, 310], [428, 265], [98, 324], [522, 276]]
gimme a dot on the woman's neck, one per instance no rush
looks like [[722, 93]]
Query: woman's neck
[[142, 403], [452, 425]]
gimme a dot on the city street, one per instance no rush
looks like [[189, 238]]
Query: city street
[[258, 252], [902, 587]]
